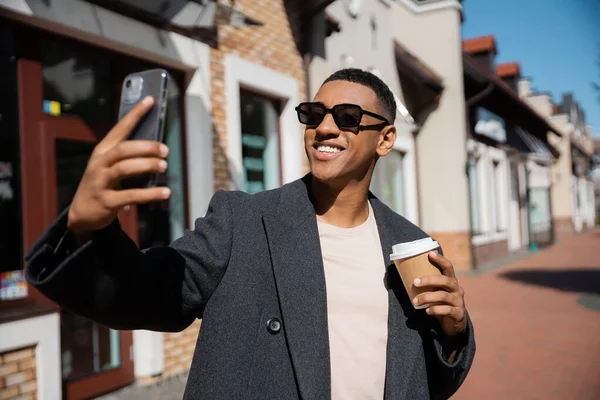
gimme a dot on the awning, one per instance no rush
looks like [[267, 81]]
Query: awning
[[534, 146], [412, 66], [188, 17], [506, 99]]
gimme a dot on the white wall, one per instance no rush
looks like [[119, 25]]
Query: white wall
[[242, 73], [43, 332], [441, 141]]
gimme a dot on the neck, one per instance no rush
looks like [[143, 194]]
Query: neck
[[346, 206]]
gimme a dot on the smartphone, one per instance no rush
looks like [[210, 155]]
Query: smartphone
[[136, 87]]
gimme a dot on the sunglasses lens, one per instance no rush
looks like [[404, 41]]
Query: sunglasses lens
[[311, 114], [347, 116]]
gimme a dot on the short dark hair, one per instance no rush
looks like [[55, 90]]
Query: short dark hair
[[382, 91]]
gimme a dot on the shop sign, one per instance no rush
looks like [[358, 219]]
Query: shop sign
[[490, 125]]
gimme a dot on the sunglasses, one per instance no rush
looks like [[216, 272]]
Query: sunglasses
[[344, 115]]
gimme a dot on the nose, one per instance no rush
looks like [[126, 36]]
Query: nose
[[328, 127]]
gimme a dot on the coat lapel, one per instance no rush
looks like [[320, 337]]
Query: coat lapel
[[292, 234], [404, 342]]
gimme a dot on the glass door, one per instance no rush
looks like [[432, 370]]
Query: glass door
[[54, 153]]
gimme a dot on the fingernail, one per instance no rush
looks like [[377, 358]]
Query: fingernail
[[417, 282], [416, 301], [433, 254], [148, 100], [162, 165], [166, 193], [428, 311], [164, 150]]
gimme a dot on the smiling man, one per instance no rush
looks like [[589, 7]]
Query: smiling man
[[295, 287]]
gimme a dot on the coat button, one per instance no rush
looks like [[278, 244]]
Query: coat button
[[273, 326]]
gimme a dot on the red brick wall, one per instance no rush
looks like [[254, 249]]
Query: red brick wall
[[18, 374], [563, 227], [489, 252], [271, 45], [457, 248]]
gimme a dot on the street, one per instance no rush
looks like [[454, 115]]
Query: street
[[536, 329]]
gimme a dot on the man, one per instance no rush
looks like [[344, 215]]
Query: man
[[295, 287]]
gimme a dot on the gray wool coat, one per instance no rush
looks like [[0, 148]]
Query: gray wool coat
[[252, 270]]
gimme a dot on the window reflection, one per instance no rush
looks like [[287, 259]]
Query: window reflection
[[260, 142], [77, 82]]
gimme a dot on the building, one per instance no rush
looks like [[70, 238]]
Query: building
[[509, 158], [236, 76], [572, 186]]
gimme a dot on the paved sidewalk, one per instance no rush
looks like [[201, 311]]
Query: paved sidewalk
[[537, 325]]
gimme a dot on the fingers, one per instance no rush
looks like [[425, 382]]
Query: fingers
[[136, 166], [443, 282], [438, 297], [135, 148], [442, 263], [117, 199], [456, 313], [124, 127]]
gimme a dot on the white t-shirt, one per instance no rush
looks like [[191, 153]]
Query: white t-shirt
[[357, 309]]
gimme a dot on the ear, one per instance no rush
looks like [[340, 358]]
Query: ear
[[387, 138]]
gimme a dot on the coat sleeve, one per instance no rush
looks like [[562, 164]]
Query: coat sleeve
[[445, 379], [110, 281]]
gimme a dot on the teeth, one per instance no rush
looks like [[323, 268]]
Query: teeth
[[328, 149]]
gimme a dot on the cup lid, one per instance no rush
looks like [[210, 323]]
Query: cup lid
[[411, 249]]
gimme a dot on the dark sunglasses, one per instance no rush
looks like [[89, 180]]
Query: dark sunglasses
[[344, 115]]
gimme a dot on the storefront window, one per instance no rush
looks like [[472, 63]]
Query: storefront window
[[12, 284], [77, 82], [260, 142], [161, 223]]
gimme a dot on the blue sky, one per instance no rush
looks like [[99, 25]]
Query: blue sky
[[557, 43]]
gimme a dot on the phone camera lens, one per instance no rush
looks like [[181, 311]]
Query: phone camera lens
[[128, 83]]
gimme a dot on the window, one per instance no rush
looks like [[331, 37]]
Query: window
[[161, 223], [260, 142], [474, 195], [389, 182], [496, 211], [11, 232]]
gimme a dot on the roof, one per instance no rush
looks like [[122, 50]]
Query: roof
[[508, 70], [411, 65], [480, 44], [515, 106]]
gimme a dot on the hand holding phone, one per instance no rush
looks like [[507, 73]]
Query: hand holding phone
[[99, 196], [137, 86]]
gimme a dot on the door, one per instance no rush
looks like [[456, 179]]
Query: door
[[514, 239], [54, 153]]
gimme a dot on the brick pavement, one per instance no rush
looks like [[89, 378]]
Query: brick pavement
[[534, 338]]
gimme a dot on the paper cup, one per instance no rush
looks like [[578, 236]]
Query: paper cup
[[412, 262]]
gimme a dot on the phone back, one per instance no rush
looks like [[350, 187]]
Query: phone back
[[135, 88]]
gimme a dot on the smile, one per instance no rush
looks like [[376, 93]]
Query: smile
[[328, 149]]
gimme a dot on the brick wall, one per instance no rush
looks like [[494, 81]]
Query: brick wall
[[457, 248], [490, 252], [563, 227], [272, 45], [18, 374]]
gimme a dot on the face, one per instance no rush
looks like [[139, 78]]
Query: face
[[337, 155]]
